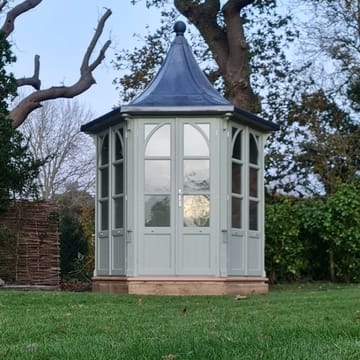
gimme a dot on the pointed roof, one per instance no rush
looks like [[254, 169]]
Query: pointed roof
[[179, 87], [180, 81]]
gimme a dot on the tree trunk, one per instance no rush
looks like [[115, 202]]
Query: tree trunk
[[228, 44]]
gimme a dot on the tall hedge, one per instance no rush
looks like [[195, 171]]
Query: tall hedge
[[315, 238], [285, 252]]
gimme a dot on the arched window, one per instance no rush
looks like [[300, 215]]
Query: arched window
[[236, 178], [104, 182], [118, 169], [157, 185], [196, 175], [253, 182]]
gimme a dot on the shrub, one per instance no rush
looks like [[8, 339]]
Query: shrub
[[284, 251], [317, 238], [341, 230]]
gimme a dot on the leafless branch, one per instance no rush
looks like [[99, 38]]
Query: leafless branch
[[9, 24], [86, 80], [34, 80], [235, 6], [3, 4], [85, 66]]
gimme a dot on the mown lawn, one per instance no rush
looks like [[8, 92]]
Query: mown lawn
[[293, 322]]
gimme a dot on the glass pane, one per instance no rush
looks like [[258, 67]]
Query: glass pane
[[253, 182], [236, 205], [104, 182], [205, 129], [119, 212], [196, 175], [254, 153], [237, 145], [236, 178], [159, 142], [253, 215], [157, 176], [104, 215], [104, 158], [196, 210], [118, 148], [157, 210], [194, 142], [119, 178], [148, 129]]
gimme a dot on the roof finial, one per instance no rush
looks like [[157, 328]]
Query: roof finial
[[179, 28]]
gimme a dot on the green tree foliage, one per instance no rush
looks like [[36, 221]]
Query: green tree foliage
[[18, 168], [319, 151]]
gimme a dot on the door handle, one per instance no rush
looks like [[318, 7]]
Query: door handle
[[179, 198]]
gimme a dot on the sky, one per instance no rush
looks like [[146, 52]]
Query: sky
[[60, 31]]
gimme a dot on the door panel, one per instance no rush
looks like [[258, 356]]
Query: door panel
[[254, 254], [118, 251], [103, 254], [237, 253], [177, 200], [196, 254], [157, 254]]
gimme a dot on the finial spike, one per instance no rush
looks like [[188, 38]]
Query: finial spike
[[179, 28]]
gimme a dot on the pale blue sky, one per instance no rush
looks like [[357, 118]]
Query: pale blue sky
[[59, 31]]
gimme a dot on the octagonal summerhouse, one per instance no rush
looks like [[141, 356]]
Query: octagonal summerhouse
[[180, 200]]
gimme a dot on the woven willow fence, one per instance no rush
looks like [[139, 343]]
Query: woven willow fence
[[30, 244]]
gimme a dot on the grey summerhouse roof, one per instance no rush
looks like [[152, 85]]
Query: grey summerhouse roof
[[180, 81], [179, 87]]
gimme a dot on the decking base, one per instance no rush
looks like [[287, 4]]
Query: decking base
[[180, 285]]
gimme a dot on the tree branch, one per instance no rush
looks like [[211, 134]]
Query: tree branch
[[8, 26], [204, 17], [235, 31], [238, 70], [227, 43], [33, 81], [86, 80], [236, 6], [3, 4], [85, 64]]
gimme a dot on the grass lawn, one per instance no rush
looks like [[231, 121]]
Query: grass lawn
[[292, 322]]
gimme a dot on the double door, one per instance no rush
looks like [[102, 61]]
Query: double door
[[177, 193]]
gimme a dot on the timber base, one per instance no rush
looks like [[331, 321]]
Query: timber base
[[180, 285]]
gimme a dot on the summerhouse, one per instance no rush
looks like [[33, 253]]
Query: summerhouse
[[180, 200]]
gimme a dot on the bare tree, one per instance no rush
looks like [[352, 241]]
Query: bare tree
[[54, 133], [34, 100], [331, 38]]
